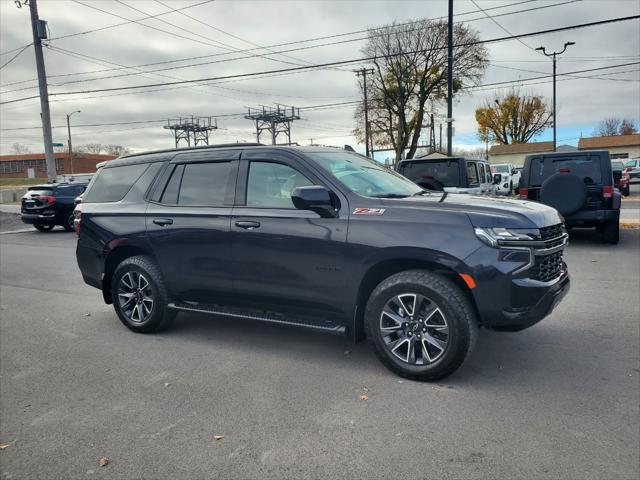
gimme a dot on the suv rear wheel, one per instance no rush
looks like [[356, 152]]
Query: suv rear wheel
[[421, 325], [139, 295], [68, 222]]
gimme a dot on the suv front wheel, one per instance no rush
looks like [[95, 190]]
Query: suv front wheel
[[139, 295], [421, 325]]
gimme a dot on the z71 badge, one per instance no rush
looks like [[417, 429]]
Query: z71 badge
[[368, 211]]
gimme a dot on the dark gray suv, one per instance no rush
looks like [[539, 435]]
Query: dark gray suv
[[318, 238]]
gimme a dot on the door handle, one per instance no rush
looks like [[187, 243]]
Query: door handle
[[163, 222], [247, 225]]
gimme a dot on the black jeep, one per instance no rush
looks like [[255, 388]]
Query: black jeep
[[318, 238], [579, 185]]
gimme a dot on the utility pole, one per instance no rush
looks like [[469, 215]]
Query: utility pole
[[450, 81], [69, 132], [553, 56], [39, 30], [367, 135]]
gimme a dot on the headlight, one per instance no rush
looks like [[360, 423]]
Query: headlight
[[494, 237]]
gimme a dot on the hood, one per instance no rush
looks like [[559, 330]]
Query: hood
[[485, 211]]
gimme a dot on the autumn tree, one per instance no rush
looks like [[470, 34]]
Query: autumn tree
[[410, 75], [512, 118], [615, 126]]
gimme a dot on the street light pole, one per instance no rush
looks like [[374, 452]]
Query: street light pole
[[553, 56], [69, 133]]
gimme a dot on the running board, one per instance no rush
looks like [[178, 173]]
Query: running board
[[312, 323]]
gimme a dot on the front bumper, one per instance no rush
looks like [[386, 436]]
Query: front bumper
[[505, 295]]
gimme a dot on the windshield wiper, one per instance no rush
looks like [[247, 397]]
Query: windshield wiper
[[389, 195], [421, 192]]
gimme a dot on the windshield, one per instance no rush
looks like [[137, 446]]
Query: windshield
[[364, 176], [445, 172], [630, 163], [617, 166], [500, 168]]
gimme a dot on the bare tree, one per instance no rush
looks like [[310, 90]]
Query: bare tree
[[615, 126], [90, 148], [512, 118], [410, 71], [608, 127], [19, 149], [627, 127], [117, 150]]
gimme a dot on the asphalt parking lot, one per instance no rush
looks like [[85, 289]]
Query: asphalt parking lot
[[560, 400]]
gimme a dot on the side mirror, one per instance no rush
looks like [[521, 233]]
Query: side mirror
[[497, 178], [315, 198], [514, 171]]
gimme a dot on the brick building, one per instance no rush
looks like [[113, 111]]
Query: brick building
[[33, 165]]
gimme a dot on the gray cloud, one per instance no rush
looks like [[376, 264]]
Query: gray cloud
[[582, 102]]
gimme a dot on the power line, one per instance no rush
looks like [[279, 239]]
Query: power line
[[343, 62], [15, 50], [306, 41], [86, 32], [15, 56]]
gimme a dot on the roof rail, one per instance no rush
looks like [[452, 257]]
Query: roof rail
[[201, 147]]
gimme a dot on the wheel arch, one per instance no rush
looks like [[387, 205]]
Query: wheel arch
[[114, 257], [382, 269]]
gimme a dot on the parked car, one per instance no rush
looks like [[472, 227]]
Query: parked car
[[319, 238], [505, 178], [633, 168], [577, 184], [449, 174], [47, 205], [620, 177]]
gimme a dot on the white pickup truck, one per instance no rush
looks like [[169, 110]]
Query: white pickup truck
[[505, 178]]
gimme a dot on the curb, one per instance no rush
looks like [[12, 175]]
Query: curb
[[629, 224]]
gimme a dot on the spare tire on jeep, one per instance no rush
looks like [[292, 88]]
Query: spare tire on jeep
[[565, 192]]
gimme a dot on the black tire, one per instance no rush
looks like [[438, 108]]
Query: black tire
[[455, 308], [626, 191], [159, 315], [43, 228], [68, 222], [510, 189], [611, 231]]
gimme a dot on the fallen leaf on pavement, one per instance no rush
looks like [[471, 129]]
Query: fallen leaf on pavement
[[166, 384], [364, 397], [87, 315], [104, 461], [3, 446], [218, 437], [347, 352]]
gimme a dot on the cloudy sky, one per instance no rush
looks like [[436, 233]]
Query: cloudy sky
[[222, 39]]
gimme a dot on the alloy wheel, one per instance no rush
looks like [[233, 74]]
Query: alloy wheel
[[135, 296], [414, 329]]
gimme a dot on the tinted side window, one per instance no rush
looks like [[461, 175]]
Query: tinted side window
[[270, 185], [472, 173], [482, 174], [112, 184], [170, 194], [204, 184]]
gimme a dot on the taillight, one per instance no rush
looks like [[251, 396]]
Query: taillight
[[564, 170], [76, 220], [47, 198], [607, 191], [524, 193]]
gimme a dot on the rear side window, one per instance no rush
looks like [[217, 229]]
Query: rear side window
[[112, 184], [445, 172], [472, 173], [585, 167], [204, 184]]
